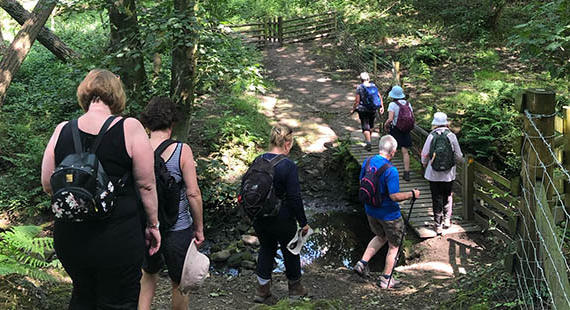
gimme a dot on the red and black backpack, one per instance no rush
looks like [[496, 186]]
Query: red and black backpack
[[368, 192]]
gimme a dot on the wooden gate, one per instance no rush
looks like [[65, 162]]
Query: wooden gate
[[293, 30]]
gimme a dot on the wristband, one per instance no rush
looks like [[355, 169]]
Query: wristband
[[155, 226], [413, 194]]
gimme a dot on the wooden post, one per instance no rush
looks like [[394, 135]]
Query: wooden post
[[468, 201], [541, 103], [375, 66], [280, 30], [396, 72]]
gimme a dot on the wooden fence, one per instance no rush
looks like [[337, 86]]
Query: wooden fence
[[293, 30]]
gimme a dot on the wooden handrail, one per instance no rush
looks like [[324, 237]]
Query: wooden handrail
[[494, 175]]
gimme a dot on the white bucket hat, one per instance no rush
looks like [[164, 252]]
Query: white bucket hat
[[294, 246], [195, 270], [439, 119], [365, 76]]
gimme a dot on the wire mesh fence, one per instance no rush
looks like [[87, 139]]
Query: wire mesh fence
[[542, 256], [359, 56]]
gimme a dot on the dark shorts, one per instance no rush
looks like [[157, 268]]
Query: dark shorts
[[172, 252], [366, 120], [404, 138], [392, 230]]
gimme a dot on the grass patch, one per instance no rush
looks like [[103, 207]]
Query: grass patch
[[484, 75], [304, 305]]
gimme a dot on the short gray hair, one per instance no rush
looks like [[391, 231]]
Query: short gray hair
[[364, 76], [387, 144]]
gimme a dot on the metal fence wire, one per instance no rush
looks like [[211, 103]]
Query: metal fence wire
[[542, 259]]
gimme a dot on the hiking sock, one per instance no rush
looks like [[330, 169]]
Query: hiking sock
[[386, 276], [262, 281], [364, 263]]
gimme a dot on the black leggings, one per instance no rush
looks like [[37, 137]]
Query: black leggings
[[271, 232], [105, 288], [440, 196], [366, 120]]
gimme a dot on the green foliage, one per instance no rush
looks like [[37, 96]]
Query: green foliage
[[486, 287], [234, 131], [349, 168], [304, 305], [226, 64], [23, 252], [546, 36]]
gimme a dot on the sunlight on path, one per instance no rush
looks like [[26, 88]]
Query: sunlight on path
[[306, 99]]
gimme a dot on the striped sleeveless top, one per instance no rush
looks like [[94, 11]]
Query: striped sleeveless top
[[173, 165]]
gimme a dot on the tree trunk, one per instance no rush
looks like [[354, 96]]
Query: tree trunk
[[183, 55], [497, 7], [125, 40], [2, 43], [46, 37], [19, 48]]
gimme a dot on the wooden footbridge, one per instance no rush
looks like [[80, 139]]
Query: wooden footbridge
[[482, 198], [422, 214]]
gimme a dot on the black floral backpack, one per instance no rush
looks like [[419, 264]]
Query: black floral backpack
[[82, 191]]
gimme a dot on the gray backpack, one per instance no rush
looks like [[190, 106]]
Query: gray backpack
[[441, 146]]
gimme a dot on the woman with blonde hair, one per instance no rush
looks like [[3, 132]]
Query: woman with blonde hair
[[278, 230], [103, 257]]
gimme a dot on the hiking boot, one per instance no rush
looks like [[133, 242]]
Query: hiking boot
[[263, 292], [368, 146], [437, 228], [297, 290], [407, 176], [446, 223], [361, 270], [383, 283]]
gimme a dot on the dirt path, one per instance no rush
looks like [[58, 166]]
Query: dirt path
[[317, 108]]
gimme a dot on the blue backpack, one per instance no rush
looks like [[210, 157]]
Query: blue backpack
[[371, 98]]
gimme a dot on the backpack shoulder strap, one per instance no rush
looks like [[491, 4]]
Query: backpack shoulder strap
[[101, 133], [380, 172], [162, 146], [367, 165], [277, 159], [75, 133], [383, 169]]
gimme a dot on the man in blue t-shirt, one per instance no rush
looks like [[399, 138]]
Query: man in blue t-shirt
[[385, 222]]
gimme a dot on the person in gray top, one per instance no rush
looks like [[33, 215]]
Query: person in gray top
[[159, 117], [441, 180]]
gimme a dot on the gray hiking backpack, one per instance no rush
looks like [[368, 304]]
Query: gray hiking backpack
[[441, 146]]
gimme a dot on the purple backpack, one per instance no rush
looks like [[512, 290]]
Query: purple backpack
[[406, 118]]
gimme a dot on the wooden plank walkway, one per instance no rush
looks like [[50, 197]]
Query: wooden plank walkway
[[422, 214]]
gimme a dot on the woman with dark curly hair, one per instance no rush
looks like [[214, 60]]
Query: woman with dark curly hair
[[104, 257], [159, 117]]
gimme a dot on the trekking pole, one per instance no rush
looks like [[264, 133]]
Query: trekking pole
[[406, 221]]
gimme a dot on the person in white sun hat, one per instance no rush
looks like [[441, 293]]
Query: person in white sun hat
[[440, 154]]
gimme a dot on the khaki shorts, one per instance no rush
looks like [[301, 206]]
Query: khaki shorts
[[392, 230]]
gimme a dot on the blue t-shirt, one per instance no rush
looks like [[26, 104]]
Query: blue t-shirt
[[390, 209]]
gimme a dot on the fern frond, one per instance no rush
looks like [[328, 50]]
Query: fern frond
[[22, 252]]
